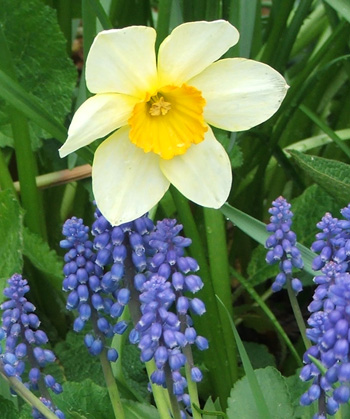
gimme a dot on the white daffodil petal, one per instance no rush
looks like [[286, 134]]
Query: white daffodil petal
[[240, 93], [126, 181], [97, 117], [191, 47], [203, 174], [122, 61]]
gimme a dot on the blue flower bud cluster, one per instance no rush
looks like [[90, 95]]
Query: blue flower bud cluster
[[24, 341], [165, 327], [94, 272], [330, 316], [282, 245]]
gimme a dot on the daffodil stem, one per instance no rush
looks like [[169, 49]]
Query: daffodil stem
[[5, 177], [164, 14], [219, 272], [215, 357]]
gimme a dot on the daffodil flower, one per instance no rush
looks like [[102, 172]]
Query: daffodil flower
[[159, 111]]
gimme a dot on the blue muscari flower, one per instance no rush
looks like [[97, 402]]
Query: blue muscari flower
[[282, 245], [24, 340], [330, 316], [94, 273], [165, 326]]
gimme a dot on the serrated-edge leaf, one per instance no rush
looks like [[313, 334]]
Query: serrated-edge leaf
[[331, 175], [257, 231], [11, 239], [42, 257]]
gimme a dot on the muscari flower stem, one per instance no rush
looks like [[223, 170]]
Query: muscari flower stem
[[191, 385], [160, 394], [111, 386], [162, 397], [297, 314], [108, 373], [173, 400], [27, 395]]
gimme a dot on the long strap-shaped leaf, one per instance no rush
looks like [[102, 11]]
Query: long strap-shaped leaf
[[257, 231]]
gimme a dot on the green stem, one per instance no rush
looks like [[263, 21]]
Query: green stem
[[191, 385], [111, 386], [173, 400], [219, 272], [89, 28], [297, 314], [27, 395], [25, 158], [5, 177], [160, 394], [164, 14]]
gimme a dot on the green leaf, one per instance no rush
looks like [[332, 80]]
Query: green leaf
[[78, 364], [296, 388], [333, 176], [42, 257], [273, 386], [88, 400], [42, 66], [341, 6], [84, 400], [257, 230], [135, 410], [11, 241], [210, 407], [308, 209], [258, 399], [259, 355], [8, 409], [134, 371]]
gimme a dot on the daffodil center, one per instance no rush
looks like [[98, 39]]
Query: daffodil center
[[159, 106], [168, 122]]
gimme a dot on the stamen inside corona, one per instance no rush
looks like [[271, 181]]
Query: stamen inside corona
[[159, 106], [169, 122]]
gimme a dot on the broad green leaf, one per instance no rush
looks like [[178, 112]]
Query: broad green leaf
[[134, 371], [258, 398], [84, 400], [308, 209], [11, 240], [241, 403], [42, 257], [257, 230], [38, 50], [259, 355], [8, 409], [135, 410], [341, 6], [77, 363], [296, 388], [333, 176]]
